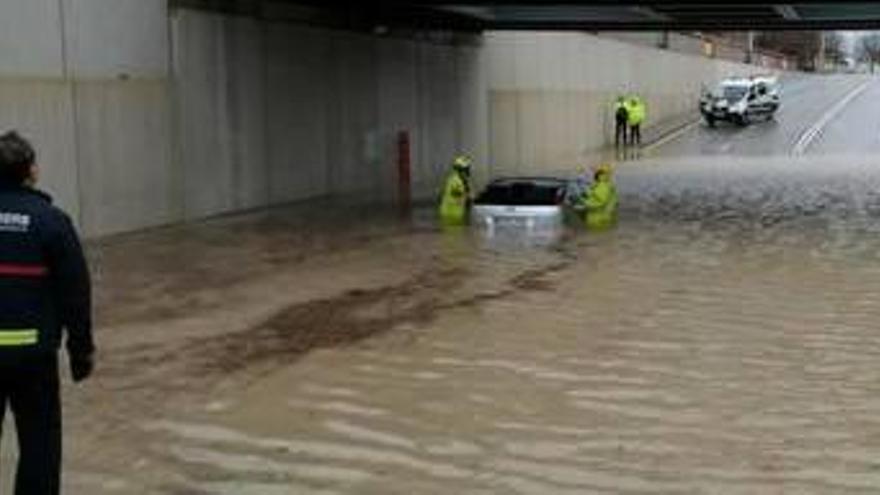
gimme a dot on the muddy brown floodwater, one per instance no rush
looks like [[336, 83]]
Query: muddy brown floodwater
[[723, 339]]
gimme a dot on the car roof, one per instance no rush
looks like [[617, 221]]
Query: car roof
[[766, 80], [737, 82], [505, 181]]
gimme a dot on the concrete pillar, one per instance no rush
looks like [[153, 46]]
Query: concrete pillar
[[663, 42], [820, 57], [708, 48], [750, 47]]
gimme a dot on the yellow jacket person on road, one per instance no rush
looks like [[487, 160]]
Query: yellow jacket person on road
[[600, 202], [637, 111], [456, 196]]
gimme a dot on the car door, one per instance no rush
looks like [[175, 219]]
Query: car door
[[763, 101], [753, 100]]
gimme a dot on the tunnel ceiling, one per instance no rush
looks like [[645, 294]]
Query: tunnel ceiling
[[576, 15], [663, 15], [633, 15]]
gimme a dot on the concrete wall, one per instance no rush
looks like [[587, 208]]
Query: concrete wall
[[551, 94], [87, 81], [272, 112], [145, 117]]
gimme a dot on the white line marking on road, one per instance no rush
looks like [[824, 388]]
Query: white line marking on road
[[672, 136], [810, 135]]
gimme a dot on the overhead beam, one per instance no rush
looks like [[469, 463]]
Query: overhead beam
[[787, 12], [475, 16], [650, 13], [602, 3], [689, 25]]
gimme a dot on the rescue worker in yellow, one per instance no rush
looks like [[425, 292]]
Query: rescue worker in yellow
[[636, 113], [599, 203], [456, 198]]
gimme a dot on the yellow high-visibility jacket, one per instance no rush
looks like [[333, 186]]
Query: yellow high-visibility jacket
[[600, 205], [455, 199], [637, 112]]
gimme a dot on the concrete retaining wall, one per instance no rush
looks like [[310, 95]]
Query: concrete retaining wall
[[271, 112], [551, 94], [145, 117], [87, 81]]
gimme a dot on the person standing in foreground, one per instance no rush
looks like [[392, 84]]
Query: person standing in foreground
[[456, 198], [44, 290]]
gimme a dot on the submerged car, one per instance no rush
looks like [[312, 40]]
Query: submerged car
[[530, 203], [741, 101]]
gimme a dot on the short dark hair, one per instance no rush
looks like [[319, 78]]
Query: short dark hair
[[17, 156]]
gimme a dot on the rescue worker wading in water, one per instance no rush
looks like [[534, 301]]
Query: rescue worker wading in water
[[599, 204], [456, 198]]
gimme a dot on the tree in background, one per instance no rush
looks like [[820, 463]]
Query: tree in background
[[803, 46], [868, 49], [835, 51]]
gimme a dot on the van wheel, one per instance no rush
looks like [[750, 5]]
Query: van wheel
[[742, 120], [710, 121]]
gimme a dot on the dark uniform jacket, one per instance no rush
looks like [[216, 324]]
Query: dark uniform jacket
[[44, 281]]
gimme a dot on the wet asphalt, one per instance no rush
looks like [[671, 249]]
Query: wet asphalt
[[805, 100]]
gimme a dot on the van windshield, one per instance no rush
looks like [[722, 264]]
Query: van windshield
[[733, 93]]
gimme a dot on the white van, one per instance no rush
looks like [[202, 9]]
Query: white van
[[741, 100]]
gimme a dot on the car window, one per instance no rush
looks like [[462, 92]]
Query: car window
[[522, 193]]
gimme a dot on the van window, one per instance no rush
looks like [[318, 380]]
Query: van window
[[734, 93]]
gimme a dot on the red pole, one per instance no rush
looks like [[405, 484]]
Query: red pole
[[403, 169]]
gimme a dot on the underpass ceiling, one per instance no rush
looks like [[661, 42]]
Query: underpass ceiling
[[475, 15]]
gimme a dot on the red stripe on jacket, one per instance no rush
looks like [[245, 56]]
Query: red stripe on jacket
[[23, 270]]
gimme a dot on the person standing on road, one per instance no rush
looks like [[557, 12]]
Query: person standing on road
[[636, 114], [44, 290], [456, 198], [599, 204], [621, 120]]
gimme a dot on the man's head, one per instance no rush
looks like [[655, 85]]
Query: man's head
[[17, 160], [462, 163], [602, 172]]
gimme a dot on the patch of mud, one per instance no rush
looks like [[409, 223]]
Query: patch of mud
[[354, 316], [536, 278], [343, 320], [179, 270]]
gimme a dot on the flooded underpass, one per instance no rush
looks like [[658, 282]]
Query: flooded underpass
[[722, 339]]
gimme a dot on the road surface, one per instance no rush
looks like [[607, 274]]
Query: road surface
[[806, 101]]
